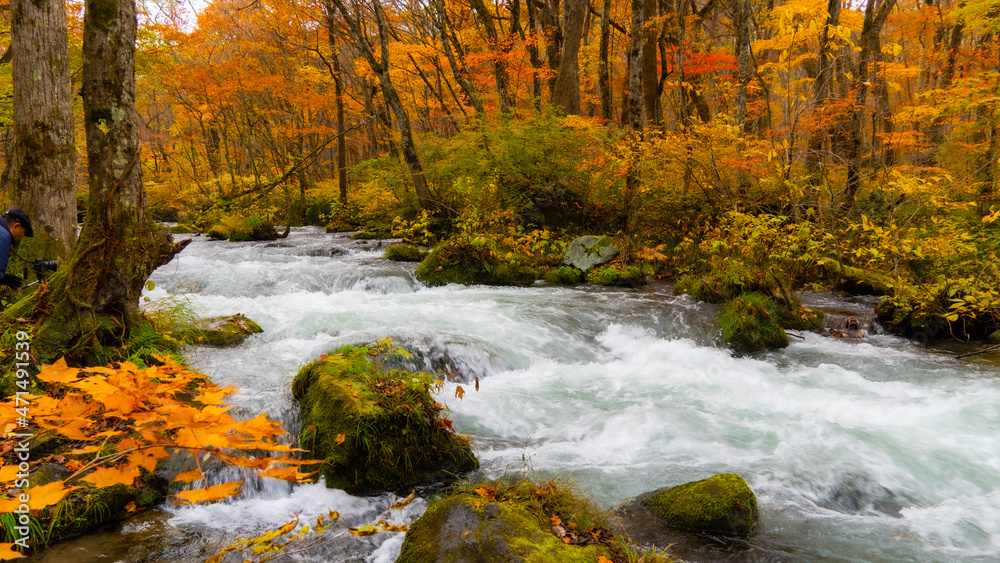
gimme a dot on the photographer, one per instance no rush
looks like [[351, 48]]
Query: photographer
[[14, 226]]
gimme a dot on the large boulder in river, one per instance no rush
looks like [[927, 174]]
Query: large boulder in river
[[751, 323], [586, 252], [485, 526], [723, 504], [375, 430], [223, 331], [458, 261]]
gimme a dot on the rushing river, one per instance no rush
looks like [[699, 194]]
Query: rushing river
[[858, 450]]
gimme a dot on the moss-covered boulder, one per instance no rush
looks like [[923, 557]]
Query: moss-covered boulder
[[184, 229], [564, 275], [487, 526], [403, 253], [994, 338], [88, 508], [375, 430], [468, 264], [722, 504], [751, 323], [371, 235], [725, 284], [223, 331], [619, 275], [587, 252], [218, 232]]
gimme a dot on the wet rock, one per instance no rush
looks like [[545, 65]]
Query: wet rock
[[470, 528], [751, 322], [722, 504], [586, 252], [223, 331], [375, 430]]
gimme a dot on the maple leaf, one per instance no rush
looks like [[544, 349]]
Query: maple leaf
[[340, 439], [286, 474], [215, 492], [7, 552], [364, 531], [39, 497], [8, 473], [488, 493], [58, 372], [189, 476], [459, 392], [108, 476]]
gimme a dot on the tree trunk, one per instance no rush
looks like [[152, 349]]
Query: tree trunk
[[499, 52], [821, 93], [872, 26], [603, 68], [743, 20], [566, 89], [444, 27], [41, 161], [380, 67], [634, 111], [649, 75], [94, 300]]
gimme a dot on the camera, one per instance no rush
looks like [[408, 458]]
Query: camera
[[41, 266]]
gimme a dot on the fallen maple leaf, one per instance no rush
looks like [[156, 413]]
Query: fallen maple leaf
[[459, 392], [8, 552], [340, 439], [189, 476], [215, 492], [364, 531], [108, 476]]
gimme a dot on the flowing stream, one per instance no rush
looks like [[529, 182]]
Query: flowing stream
[[877, 449]]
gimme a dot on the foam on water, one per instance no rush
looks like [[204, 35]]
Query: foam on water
[[856, 450]]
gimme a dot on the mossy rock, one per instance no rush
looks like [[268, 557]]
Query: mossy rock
[[751, 323], [723, 504], [856, 281], [403, 253], [723, 285], [466, 527], [617, 275], [223, 331], [375, 430], [88, 508], [252, 229], [371, 235], [994, 337], [183, 229], [564, 275], [464, 263], [587, 252], [218, 232]]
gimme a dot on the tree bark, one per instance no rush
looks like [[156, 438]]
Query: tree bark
[[94, 300], [649, 75], [499, 53], [821, 93], [444, 27], [743, 19], [566, 89], [604, 68], [634, 111], [41, 160]]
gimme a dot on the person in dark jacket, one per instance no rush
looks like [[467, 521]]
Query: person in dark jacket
[[14, 226]]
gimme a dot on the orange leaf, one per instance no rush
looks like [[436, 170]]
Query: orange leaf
[[58, 372], [285, 473], [340, 439], [459, 392], [7, 552], [215, 492], [108, 476], [8, 473], [188, 476], [39, 497]]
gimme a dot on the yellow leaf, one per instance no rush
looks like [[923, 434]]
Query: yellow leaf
[[392, 527], [363, 531], [400, 504], [215, 492]]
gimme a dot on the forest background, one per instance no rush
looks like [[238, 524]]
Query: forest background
[[732, 140]]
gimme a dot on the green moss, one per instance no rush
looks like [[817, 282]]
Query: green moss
[[403, 253], [994, 337], [218, 232], [750, 323], [467, 527], [464, 263], [182, 229], [371, 235], [564, 275], [89, 508], [617, 275], [375, 430], [722, 504], [723, 285], [222, 331]]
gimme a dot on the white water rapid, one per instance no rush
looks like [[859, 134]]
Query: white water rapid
[[871, 450]]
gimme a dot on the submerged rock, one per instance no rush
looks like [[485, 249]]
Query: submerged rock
[[586, 252], [223, 331], [375, 430], [471, 528], [722, 504]]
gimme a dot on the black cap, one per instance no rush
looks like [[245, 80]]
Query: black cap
[[22, 218]]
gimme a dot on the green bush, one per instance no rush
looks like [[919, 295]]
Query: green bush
[[617, 275]]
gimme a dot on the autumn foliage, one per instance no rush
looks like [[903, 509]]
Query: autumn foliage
[[115, 424]]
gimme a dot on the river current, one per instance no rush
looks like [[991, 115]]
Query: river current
[[876, 449]]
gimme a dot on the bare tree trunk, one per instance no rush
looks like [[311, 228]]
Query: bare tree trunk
[[634, 111], [649, 75], [499, 66], [821, 93], [566, 89], [743, 17], [380, 67], [603, 68], [444, 27], [872, 26], [41, 160]]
